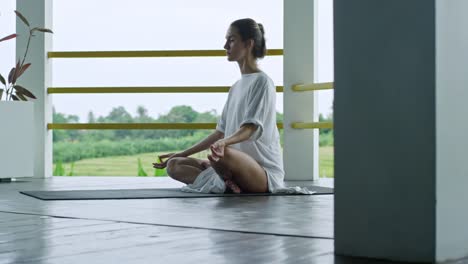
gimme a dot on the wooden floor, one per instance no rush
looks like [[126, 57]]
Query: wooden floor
[[266, 229]]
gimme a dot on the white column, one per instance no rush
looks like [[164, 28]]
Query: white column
[[451, 129], [401, 145], [38, 77], [300, 151]]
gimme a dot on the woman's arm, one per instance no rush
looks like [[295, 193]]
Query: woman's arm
[[242, 134], [204, 144]]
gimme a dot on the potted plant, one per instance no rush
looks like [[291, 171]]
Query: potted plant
[[17, 115]]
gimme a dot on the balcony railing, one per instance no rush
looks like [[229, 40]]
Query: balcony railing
[[165, 89]]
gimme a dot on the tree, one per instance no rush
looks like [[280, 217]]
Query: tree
[[206, 117], [143, 117], [325, 119], [63, 135], [142, 112], [91, 118], [119, 115], [279, 117], [179, 114]]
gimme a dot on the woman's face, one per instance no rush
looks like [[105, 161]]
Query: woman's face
[[236, 49]]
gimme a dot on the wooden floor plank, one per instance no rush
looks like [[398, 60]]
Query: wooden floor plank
[[286, 215], [144, 243]]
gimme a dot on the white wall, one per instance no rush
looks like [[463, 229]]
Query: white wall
[[7, 48], [452, 129]]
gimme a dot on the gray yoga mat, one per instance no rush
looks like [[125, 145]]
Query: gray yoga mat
[[146, 194]]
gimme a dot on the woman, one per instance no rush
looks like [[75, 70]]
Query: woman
[[245, 147]]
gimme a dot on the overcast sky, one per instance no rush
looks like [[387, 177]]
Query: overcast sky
[[159, 25]]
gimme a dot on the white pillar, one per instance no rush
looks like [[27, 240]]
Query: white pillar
[[38, 77], [401, 149], [300, 151], [451, 129]]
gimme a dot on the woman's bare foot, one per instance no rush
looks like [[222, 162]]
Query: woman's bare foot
[[205, 164], [226, 175], [232, 186]]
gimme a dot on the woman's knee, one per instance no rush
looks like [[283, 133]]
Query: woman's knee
[[172, 166], [228, 151]]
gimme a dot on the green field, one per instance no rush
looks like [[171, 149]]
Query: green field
[[326, 162], [128, 165]]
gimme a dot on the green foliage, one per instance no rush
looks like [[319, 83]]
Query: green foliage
[[326, 139], [77, 150], [65, 135], [326, 162], [181, 114], [117, 166], [207, 117], [72, 168], [91, 118], [126, 165], [178, 114], [59, 170], [71, 146], [325, 119], [119, 115], [13, 91], [74, 145], [141, 171], [160, 172], [326, 134], [279, 117]]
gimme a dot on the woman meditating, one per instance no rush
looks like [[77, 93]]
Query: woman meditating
[[245, 147]]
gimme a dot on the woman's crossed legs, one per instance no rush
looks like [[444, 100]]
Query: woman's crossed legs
[[185, 169], [240, 171]]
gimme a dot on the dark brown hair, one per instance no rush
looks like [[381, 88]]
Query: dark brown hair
[[249, 29]]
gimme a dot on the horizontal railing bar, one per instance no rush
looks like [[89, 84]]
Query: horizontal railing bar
[[312, 87], [146, 53], [134, 126], [312, 125], [157, 89]]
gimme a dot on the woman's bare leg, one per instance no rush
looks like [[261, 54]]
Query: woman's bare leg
[[226, 174], [185, 170], [244, 171]]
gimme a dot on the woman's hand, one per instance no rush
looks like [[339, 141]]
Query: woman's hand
[[163, 159], [217, 150]]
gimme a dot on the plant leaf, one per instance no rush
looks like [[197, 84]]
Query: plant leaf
[[22, 70], [22, 18], [1, 93], [2, 80], [14, 97], [21, 96], [15, 76], [44, 30], [11, 75], [20, 89], [8, 37]]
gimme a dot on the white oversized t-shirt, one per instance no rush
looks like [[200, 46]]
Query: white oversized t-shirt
[[252, 100]]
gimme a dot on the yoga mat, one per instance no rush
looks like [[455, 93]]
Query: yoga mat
[[147, 194]]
